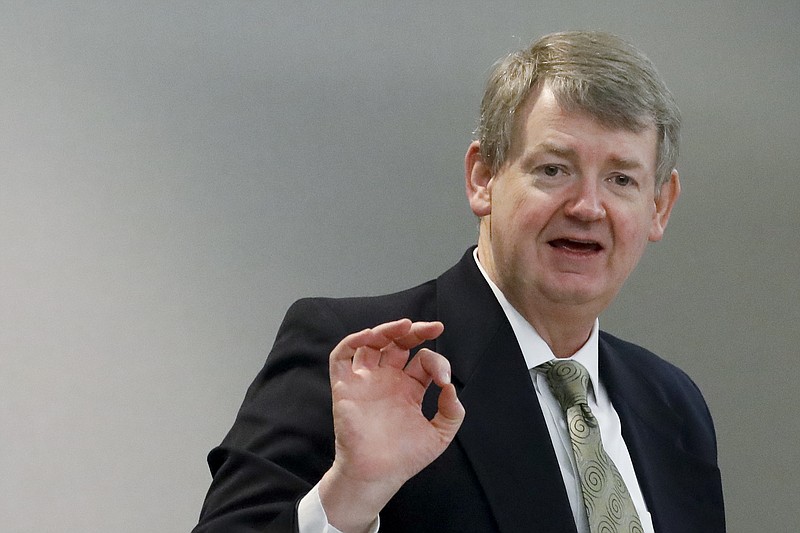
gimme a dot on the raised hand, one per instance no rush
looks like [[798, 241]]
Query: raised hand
[[382, 437]]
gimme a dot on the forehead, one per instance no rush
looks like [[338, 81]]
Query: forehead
[[542, 120]]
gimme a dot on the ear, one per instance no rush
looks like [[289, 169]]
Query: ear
[[665, 201], [478, 177]]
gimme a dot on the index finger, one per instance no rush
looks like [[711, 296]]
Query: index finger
[[419, 333], [377, 338]]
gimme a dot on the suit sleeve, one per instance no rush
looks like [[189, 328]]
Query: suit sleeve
[[282, 440]]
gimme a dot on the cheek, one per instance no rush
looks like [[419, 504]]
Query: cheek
[[515, 224], [525, 209], [634, 238]]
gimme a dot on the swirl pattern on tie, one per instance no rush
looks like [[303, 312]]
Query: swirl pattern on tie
[[608, 503]]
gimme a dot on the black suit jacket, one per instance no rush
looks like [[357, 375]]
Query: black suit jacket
[[500, 473]]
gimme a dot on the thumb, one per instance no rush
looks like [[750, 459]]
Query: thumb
[[451, 413]]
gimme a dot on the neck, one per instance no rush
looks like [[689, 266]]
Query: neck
[[564, 327], [564, 332]]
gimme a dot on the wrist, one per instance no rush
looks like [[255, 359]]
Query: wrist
[[352, 505]]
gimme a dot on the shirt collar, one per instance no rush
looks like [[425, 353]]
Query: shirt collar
[[534, 349]]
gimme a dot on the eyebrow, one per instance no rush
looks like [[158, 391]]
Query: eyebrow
[[622, 163]]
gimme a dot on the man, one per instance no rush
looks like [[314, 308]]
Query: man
[[571, 176]]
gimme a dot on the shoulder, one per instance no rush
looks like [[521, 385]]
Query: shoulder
[[313, 326], [647, 384], [667, 378], [421, 302], [356, 313]]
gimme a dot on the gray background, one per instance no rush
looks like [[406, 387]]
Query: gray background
[[174, 174]]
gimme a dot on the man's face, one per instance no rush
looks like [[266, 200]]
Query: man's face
[[568, 216]]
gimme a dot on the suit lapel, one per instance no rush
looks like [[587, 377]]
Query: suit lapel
[[677, 487], [504, 434]]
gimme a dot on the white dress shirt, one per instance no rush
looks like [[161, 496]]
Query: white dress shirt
[[311, 515]]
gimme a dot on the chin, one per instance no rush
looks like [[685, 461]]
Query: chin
[[576, 294]]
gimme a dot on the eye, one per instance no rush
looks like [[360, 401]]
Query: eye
[[622, 180], [550, 170]]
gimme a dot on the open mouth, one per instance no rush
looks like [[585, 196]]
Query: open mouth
[[576, 246]]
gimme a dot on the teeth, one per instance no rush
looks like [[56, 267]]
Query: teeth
[[576, 245]]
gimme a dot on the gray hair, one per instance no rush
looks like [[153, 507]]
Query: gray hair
[[593, 72]]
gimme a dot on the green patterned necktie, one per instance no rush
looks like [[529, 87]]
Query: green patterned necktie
[[607, 500]]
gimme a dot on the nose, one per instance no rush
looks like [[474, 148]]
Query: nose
[[585, 203]]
